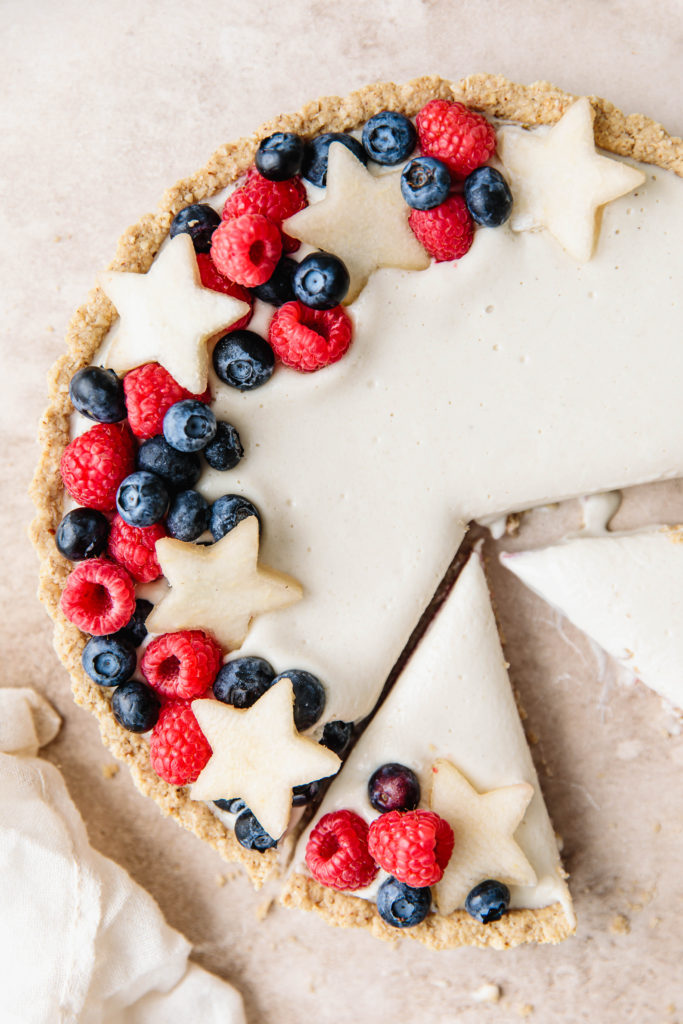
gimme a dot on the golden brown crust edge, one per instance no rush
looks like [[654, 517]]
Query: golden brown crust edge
[[517, 927], [541, 103]]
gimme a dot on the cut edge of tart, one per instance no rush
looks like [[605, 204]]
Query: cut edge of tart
[[632, 136]]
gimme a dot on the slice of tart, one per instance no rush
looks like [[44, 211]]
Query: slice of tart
[[447, 743], [625, 592]]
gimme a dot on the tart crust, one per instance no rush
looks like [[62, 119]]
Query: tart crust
[[516, 927], [634, 136]]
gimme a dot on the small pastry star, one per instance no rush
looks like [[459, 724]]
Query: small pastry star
[[559, 181], [259, 755], [219, 587], [363, 220], [484, 825], [167, 317]]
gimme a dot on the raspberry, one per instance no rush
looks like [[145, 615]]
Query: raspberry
[[95, 463], [98, 597], [183, 664], [247, 248], [276, 200], [460, 137], [306, 338], [220, 283], [446, 231], [134, 548], [178, 749], [413, 846], [150, 393], [337, 852]]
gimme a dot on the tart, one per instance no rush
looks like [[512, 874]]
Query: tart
[[445, 390]]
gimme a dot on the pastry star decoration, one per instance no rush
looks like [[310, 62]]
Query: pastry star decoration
[[559, 181], [483, 825], [167, 317], [363, 220], [219, 587], [258, 754]]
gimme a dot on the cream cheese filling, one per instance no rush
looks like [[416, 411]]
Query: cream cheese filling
[[625, 592]]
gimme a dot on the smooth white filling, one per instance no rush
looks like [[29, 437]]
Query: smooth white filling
[[625, 592]]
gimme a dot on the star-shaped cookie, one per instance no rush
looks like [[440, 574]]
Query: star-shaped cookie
[[483, 825], [259, 756], [219, 587], [363, 220], [559, 181], [166, 316]]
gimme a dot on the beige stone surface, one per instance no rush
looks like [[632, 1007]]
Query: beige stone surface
[[103, 106]]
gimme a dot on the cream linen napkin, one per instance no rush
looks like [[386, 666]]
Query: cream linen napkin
[[80, 941]]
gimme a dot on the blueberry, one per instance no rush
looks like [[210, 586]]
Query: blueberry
[[189, 425], [302, 795], [135, 706], [401, 905], [98, 394], [337, 737], [142, 499], [488, 901], [199, 221], [279, 156], [394, 787], [82, 533], [232, 806], [321, 281], [135, 629], [227, 512], [389, 137], [109, 660], [314, 167], [278, 288], [179, 470], [251, 835], [188, 516], [425, 182], [309, 697], [241, 682], [488, 197], [226, 450], [243, 360]]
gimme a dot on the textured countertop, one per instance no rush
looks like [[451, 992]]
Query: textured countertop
[[103, 106]]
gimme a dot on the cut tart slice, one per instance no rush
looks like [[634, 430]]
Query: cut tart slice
[[448, 738], [625, 592]]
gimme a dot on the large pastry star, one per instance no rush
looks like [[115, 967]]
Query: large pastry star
[[259, 756], [559, 181], [483, 825], [219, 587], [363, 220], [166, 316]]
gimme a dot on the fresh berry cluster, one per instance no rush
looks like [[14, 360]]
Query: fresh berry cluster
[[134, 481], [448, 187], [413, 846]]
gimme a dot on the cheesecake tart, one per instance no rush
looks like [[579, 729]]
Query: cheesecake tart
[[465, 373]]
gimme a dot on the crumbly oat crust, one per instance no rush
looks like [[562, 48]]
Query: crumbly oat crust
[[548, 924], [632, 136]]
